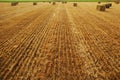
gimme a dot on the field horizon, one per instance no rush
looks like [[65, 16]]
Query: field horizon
[[54, 0]]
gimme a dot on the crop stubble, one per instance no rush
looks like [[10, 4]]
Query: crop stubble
[[60, 42]]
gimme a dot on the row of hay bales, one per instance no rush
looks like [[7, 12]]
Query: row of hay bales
[[16, 3], [103, 7], [100, 7], [35, 3], [74, 4]]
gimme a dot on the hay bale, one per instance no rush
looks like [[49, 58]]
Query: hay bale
[[14, 3], [75, 4], [53, 3], [99, 2], [34, 3], [101, 7], [17, 3], [65, 2], [108, 5]]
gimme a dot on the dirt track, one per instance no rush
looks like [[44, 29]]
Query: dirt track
[[59, 42]]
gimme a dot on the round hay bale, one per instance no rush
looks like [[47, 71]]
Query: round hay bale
[[99, 2], [75, 4], [53, 3], [34, 3], [63, 2]]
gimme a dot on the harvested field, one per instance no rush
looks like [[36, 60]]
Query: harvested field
[[46, 42]]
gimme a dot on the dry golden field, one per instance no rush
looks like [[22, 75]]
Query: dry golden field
[[59, 42]]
